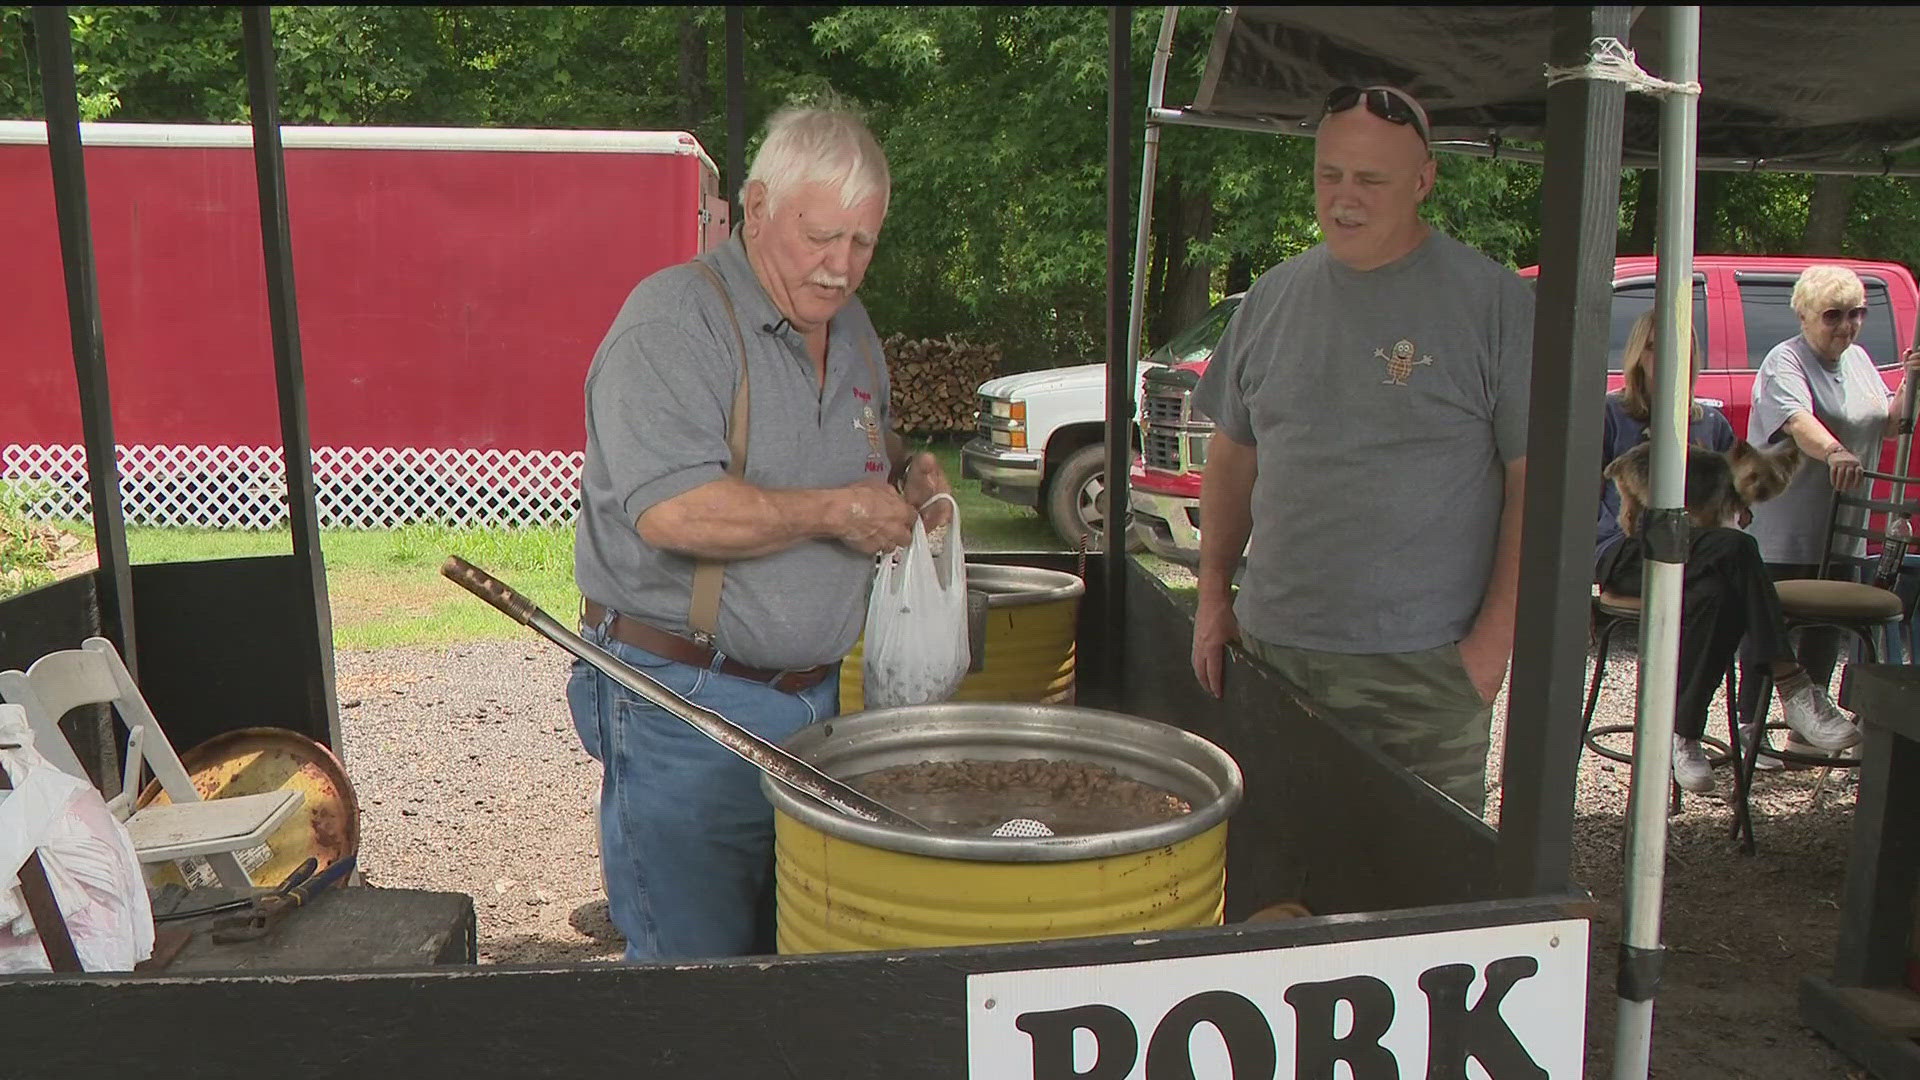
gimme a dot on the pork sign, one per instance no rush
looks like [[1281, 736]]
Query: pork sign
[[1490, 1003]]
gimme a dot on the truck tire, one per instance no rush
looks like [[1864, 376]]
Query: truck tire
[[1076, 498]]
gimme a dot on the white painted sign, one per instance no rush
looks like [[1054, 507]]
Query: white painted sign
[[1489, 1003]]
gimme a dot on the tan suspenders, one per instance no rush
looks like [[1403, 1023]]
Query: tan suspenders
[[703, 611]]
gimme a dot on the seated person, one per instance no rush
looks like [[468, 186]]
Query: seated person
[[1727, 593]]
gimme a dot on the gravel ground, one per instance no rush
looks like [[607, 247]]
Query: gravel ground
[[471, 780]]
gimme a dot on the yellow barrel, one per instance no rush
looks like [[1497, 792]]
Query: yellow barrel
[[1032, 616], [845, 885]]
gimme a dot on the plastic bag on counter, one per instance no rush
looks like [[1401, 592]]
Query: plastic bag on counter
[[88, 856], [916, 648]]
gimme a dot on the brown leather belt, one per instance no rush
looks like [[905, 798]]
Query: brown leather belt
[[684, 651]]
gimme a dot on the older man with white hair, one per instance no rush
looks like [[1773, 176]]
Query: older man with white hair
[[741, 472]]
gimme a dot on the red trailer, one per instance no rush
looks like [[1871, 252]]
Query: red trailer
[[454, 283]]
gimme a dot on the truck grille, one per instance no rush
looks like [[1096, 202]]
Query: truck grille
[[1167, 425], [1164, 408], [984, 412], [1161, 450]]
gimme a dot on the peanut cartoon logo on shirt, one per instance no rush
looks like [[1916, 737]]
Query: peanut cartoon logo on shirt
[[868, 422], [1400, 362]]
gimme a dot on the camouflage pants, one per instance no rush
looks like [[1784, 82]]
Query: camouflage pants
[[1420, 708]]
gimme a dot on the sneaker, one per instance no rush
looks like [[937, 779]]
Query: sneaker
[[1690, 768], [1797, 745], [1763, 763], [1816, 719]]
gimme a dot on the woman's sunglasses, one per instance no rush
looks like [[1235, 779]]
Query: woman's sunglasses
[[1381, 102], [1834, 316]]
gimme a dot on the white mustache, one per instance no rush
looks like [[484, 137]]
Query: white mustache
[[828, 281]]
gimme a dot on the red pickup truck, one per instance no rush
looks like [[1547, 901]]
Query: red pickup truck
[[1740, 311]]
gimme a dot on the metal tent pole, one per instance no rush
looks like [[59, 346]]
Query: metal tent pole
[[1119, 393], [1143, 224], [1666, 532], [313, 617]]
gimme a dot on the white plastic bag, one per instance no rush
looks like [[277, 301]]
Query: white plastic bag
[[88, 856], [916, 649]]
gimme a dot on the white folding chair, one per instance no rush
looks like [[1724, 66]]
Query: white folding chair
[[188, 826]]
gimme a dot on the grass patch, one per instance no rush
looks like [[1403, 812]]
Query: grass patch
[[26, 553], [986, 523], [385, 589]]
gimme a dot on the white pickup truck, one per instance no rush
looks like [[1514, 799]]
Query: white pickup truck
[[1042, 434]]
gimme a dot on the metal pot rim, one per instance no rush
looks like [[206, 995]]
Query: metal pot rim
[[1030, 584], [1056, 730]]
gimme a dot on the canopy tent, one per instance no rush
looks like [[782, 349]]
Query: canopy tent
[[490, 1029], [1843, 105], [1843, 100]]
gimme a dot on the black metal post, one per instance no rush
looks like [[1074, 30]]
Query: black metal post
[[312, 614], [736, 177], [1579, 210], [1119, 257], [54, 42]]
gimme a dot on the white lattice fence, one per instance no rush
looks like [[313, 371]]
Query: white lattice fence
[[357, 487]]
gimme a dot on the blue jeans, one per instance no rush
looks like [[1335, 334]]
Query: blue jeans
[[686, 836]]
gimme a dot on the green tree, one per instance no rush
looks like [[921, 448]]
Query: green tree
[[994, 119]]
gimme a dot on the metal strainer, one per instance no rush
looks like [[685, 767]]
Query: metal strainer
[[1023, 828]]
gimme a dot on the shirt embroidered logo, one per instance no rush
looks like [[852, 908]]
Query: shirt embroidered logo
[[870, 423], [1400, 363]]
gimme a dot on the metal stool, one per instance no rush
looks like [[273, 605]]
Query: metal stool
[[1611, 611], [1802, 613]]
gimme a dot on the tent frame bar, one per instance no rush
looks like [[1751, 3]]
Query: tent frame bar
[[1498, 150]]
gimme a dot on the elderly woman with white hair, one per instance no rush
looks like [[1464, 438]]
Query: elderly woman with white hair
[[1820, 389]]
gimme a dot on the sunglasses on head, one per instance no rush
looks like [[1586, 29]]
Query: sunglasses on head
[[1834, 316], [1381, 102]]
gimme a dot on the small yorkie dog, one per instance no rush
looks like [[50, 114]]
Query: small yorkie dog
[[1721, 488]]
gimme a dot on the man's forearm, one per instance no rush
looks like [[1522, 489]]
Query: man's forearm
[[1226, 513], [732, 519], [1496, 615]]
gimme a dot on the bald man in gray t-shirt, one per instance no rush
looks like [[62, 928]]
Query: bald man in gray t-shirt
[[1370, 401]]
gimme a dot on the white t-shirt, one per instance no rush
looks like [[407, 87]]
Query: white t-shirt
[[1850, 401]]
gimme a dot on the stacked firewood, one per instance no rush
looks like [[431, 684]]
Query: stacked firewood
[[935, 382]]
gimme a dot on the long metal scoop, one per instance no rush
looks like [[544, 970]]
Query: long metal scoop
[[768, 758]]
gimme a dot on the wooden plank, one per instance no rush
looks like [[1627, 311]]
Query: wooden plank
[[850, 1016], [1888, 693], [1883, 864], [222, 652], [1579, 199], [350, 929], [1119, 411], [1854, 1020]]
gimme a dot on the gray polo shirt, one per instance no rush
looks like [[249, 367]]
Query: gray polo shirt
[[659, 393], [1383, 406], [1851, 402]]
